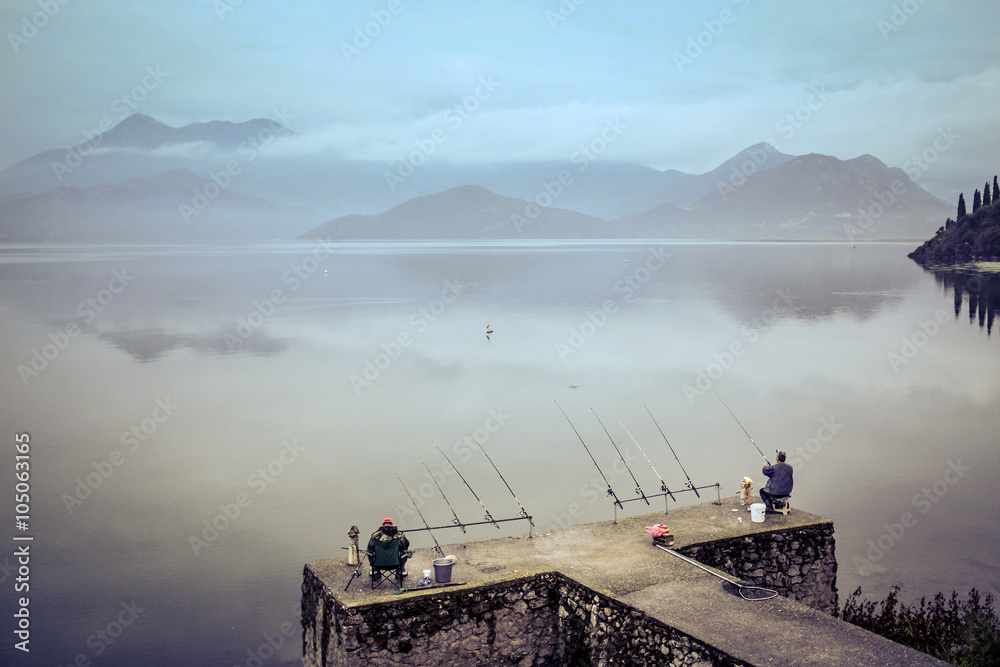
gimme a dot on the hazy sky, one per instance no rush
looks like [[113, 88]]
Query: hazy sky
[[689, 84]]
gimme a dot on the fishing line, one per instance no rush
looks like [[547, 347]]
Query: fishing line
[[419, 513], [738, 422], [663, 485], [458, 521], [638, 489], [489, 517], [690, 484], [611, 491], [524, 512]]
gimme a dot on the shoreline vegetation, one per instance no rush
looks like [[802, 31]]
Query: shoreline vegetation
[[971, 237], [962, 632]]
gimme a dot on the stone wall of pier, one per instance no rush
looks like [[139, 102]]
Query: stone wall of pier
[[550, 618], [799, 563], [542, 620]]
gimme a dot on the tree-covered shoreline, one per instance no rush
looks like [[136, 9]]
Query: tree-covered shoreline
[[971, 237]]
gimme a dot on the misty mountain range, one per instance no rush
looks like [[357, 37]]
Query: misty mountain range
[[143, 181]]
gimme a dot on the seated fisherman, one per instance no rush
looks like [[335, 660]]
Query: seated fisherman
[[779, 481], [387, 532]]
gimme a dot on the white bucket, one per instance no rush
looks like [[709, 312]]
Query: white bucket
[[757, 512]]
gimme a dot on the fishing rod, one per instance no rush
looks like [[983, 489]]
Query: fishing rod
[[458, 522], [357, 573], [738, 422], [638, 489], [488, 517], [663, 485], [426, 525], [611, 492], [524, 512], [690, 484]]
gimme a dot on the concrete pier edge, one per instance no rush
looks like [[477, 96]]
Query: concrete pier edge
[[600, 592]]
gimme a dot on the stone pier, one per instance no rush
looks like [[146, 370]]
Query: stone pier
[[602, 594]]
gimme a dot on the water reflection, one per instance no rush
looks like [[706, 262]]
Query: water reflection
[[814, 324], [150, 344], [980, 288], [208, 301]]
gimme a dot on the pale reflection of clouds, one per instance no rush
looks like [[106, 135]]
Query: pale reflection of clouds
[[824, 356]]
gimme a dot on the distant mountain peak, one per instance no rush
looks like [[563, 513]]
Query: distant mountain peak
[[465, 212], [142, 131], [466, 191], [139, 120], [867, 160], [763, 154], [684, 191]]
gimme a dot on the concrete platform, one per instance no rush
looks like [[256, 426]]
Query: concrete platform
[[619, 561]]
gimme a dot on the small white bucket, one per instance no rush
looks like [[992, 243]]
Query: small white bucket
[[757, 512]]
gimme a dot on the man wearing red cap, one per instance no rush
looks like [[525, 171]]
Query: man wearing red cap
[[386, 533]]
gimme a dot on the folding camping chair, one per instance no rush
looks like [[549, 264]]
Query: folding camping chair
[[387, 562]]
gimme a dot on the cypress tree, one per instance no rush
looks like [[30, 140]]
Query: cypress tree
[[961, 206], [977, 201], [996, 190], [986, 194]]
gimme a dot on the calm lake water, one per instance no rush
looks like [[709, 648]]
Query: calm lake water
[[276, 392]]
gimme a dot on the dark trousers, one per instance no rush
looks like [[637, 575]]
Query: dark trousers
[[767, 498]]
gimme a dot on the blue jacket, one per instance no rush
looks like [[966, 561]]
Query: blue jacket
[[779, 479]]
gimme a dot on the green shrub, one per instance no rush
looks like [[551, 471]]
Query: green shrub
[[962, 632]]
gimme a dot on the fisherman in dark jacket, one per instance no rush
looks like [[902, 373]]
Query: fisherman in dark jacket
[[386, 532], [779, 481]]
